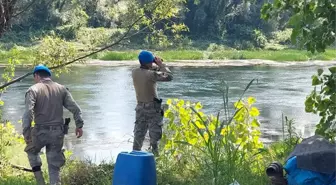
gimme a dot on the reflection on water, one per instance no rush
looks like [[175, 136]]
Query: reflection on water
[[107, 98]]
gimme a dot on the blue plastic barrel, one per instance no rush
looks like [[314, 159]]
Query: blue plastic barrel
[[134, 168]]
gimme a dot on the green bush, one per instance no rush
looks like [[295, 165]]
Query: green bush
[[283, 37], [218, 149], [9, 139], [86, 173], [259, 39], [216, 47]]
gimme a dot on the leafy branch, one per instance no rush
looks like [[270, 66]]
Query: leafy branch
[[323, 102], [313, 22], [126, 35]]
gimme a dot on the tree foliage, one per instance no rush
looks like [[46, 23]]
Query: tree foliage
[[323, 102], [313, 21], [231, 22]]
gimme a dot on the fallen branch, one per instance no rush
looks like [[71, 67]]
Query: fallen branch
[[21, 168], [125, 36]]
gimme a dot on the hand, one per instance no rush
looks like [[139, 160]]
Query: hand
[[79, 132], [158, 61], [27, 140], [27, 135]]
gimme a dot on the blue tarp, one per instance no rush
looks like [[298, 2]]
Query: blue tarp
[[297, 176]]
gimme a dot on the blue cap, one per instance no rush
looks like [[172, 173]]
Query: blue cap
[[146, 57], [42, 68]]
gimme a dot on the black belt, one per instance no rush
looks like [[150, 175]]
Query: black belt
[[49, 127]]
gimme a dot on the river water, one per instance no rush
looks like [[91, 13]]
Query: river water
[[107, 98]]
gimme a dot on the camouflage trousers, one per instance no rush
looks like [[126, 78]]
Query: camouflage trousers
[[51, 137], [149, 117]]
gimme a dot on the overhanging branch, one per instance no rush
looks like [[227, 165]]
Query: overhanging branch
[[125, 36]]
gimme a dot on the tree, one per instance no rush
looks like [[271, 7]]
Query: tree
[[167, 18], [11, 10], [233, 22], [161, 11], [313, 21]]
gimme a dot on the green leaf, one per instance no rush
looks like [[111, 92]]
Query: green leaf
[[277, 4], [251, 100], [333, 98], [1, 103], [192, 141], [319, 72], [332, 70], [240, 116], [309, 104], [294, 35], [265, 11], [316, 81], [295, 20], [254, 112], [180, 103], [199, 124], [239, 104], [198, 106], [255, 123]]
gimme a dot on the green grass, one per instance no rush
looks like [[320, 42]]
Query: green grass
[[18, 180], [119, 56], [26, 55], [282, 55], [167, 55], [181, 55]]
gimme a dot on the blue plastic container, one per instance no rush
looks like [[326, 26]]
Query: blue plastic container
[[135, 168]]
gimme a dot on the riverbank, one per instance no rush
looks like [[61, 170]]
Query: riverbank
[[214, 63], [192, 57], [284, 55], [205, 63]]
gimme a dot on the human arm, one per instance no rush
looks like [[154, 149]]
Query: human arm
[[162, 73], [27, 118], [71, 105]]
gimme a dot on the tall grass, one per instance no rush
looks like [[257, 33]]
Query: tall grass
[[18, 180], [26, 55]]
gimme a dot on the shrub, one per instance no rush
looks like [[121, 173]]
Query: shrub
[[218, 149], [282, 37], [87, 173], [259, 39]]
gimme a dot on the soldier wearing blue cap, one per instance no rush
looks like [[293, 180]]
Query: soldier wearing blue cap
[[149, 113], [44, 104]]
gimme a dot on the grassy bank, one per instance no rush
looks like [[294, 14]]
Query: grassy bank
[[27, 55], [281, 55]]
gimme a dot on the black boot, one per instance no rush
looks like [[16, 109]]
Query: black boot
[[155, 149], [39, 178]]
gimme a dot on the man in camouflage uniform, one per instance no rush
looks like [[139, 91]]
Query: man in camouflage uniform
[[44, 103], [149, 114]]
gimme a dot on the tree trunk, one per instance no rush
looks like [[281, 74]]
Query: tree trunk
[[6, 13]]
